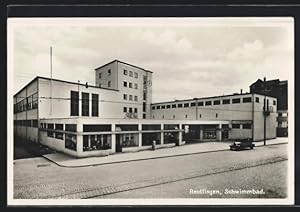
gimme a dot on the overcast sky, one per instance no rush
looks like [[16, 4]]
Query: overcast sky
[[189, 57]]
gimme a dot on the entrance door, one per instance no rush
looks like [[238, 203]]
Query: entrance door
[[118, 143]]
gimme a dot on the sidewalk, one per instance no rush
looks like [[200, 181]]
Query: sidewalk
[[71, 162]]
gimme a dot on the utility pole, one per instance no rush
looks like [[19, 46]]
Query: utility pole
[[50, 80], [265, 111]]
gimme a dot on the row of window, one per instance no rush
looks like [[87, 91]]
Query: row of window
[[130, 97], [186, 116], [70, 139], [26, 123], [244, 126], [84, 104], [28, 103], [207, 103], [130, 110], [130, 73], [130, 85]]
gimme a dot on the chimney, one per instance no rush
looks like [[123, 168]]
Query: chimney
[[241, 91]]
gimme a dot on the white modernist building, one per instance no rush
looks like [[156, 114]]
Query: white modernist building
[[117, 114]]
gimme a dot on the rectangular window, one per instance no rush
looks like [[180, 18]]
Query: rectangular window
[[125, 109], [193, 104], [136, 75], [130, 85], [208, 103], [217, 102], [235, 101], [173, 105], [236, 126], [157, 107], [50, 132], [125, 96], [226, 101], [246, 126], [179, 105], [100, 76], [59, 135], [95, 104], [163, 107], [135, 110], [135, 86], [274, 102], [71, 142], [144, 116], [34, 123], [85, 104], [130, 73], [130, 97], [124, 83], [35, 101], [125, 72], [130, 110], [144, 96], [153, 107], [145, 82], [135, 98], [200, 103], [96, 128], [186, 105], [257, 99], [109, 72], [144, 107], [74, 103], [247, 99], [108, 83], [168, 106], [71, 127]]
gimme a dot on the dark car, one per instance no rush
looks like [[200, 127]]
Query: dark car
[[242, 144]]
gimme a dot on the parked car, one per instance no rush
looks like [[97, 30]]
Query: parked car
[[242, 144]]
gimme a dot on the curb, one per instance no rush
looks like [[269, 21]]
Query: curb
[[151, 158]]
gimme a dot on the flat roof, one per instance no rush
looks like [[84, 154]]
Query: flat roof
[[210, 97], [97, 120], [123, 63], [58, 80]]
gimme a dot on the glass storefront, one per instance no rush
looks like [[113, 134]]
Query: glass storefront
[[96, 142], [148, 138], [210, 134], [71, 141], [171, 137], [129, 139]]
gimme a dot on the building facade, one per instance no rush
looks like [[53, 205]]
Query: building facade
[[116, 114], [279, 90], [244, 112]]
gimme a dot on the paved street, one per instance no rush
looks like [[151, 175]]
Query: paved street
[[157, 178]]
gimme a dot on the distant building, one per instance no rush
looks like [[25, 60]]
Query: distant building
[[279, 90], [117, 115]]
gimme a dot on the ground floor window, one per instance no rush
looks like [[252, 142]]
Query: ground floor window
[[148, 138], [71, 141], [50, 133], [59, 135], [209, 134], [129, 140], [96, 142], [171, 137]]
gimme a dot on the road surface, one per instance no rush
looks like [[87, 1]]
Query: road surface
[[262, 168]]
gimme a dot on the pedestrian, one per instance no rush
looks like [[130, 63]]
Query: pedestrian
[[153, 145]]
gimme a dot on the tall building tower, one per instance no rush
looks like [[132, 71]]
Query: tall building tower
[[133, 82]]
